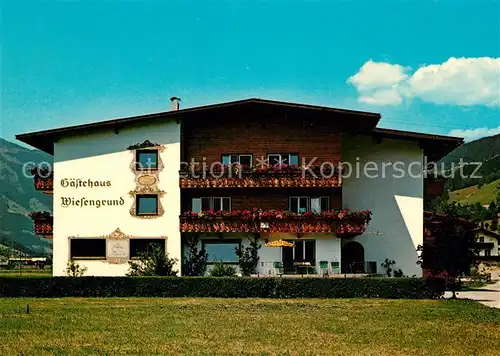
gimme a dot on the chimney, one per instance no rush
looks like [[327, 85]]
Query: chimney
[[175, 103]]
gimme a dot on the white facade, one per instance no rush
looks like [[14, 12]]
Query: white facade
[[396, 199], [393, 192], [104, 156]]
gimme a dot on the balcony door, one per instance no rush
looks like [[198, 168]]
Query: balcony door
[[302, 251]]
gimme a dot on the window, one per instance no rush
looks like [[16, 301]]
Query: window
[[481, 239], [319, 204], [222, 204], [302, 251], [146, 160], [487, 252], [283, 158], [303, 204], [211, 203], [244, 159], [138, 246], [221, 250], [88, 249], [299, 204], [147, 204]]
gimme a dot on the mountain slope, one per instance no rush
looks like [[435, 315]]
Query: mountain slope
[[485, 153], [18, 197], [472, 195]]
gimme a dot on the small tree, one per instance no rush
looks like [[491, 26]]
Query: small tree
[[153, 262], [248, 257], [196, 261], [450, 253], [387, 265], [73, 269]]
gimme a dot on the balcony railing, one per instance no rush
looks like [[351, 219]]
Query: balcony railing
[[43, 223], [43, 179], [253, 177], [344, 223]]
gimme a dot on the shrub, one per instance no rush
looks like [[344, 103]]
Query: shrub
[[221, 269], [73, 269], [394, 288], [398, 273], [153, 262], [248, 257]]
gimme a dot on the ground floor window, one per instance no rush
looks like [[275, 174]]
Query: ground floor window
[[221, 250], [139, 246], [302, 251], [91, 249]]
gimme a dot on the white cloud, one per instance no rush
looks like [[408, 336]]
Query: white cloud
[[376, 75], [458, 81], [382, 97], [474, 134]]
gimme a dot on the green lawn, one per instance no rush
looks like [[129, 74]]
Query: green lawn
[[32, 272], [247, 327]]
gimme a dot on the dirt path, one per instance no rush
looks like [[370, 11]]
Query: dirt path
[[488, 295]]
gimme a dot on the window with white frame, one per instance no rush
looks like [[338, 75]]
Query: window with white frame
[[211, 203], [301, 204], [243, 159], [319, 204], [283, 158]]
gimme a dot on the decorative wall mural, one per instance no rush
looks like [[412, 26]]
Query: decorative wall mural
[[117, 247], [146, 180]]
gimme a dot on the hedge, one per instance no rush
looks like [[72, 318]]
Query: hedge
[[225, 287]]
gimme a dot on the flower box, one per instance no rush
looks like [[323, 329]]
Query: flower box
[[43, 179], [43, 223], [343, 222], [236, 176]]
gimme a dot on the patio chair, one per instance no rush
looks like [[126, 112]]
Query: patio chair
[[278, 268], [335, 267], [323, 265]]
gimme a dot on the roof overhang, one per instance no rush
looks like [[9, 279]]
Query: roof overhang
[[350, 120], [435, 146]]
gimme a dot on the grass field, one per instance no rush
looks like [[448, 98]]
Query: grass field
[[247, 327], [32, 272], [472, 195]]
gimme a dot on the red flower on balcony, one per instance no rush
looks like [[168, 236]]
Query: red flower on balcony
[[43, 222], [344, 222], [242, 176], [43, 178]]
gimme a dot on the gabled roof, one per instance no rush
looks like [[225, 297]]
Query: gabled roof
[[488, 232], [360, 121], [45, 139]]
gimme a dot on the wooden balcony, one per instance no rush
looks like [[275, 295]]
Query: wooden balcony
[[43, 180], [190, 223], [434, 187], [251, 177], [43, 223], [343, 223]]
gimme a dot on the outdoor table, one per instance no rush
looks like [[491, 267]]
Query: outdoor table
[[306, 265]]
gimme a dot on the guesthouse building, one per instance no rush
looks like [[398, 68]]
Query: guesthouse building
[[344, 193]]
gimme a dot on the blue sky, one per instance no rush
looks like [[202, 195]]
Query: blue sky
[[429, 66]]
